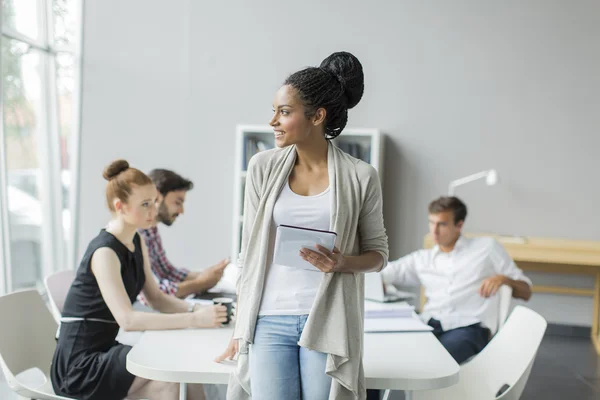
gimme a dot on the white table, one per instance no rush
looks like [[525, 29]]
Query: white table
[[399, 361]]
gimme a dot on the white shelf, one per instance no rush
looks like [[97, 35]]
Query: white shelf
[[366, 144]]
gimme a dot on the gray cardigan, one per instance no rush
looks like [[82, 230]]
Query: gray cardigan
[[335, 323]]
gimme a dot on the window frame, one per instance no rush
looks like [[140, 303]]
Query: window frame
[[56, 254]]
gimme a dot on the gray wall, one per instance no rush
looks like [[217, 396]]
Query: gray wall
[[457, 87], [135, 97]]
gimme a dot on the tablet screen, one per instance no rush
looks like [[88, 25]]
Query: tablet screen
[[289, 240]]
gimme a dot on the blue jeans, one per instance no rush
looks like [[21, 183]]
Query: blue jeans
[[461, 343], [279, 368]]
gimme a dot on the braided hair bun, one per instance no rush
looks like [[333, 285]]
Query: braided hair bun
[[348, 71], [336, 85]]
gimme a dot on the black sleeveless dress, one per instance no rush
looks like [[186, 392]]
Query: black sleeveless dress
[[88, 363]]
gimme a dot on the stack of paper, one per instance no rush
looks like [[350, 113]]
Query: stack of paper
[[398, 310], [412, 324], [396, 317]]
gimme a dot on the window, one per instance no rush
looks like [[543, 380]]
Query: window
[[40, 70], [23, 16]]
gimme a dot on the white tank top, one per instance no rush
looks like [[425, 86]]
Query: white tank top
[[291, 291]]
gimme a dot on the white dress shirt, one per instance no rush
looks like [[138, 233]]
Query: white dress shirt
[[452, 280]]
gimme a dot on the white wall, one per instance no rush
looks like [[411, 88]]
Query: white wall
[[457, 86], [135, 95]]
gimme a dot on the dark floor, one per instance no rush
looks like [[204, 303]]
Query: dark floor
[[565, 368]]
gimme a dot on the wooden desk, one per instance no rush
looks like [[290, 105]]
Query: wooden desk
[[559, 256]]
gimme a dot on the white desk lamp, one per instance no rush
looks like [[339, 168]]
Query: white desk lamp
[[490, 175], [491, 178]]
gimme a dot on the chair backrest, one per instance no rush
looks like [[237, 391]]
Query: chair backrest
[[27, 344], [507, 359], [504, 297], [517, 389], [57, 286]]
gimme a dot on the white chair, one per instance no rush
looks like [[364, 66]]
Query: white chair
[[504, 297], [506, 360], [57, 287], [27, 344]]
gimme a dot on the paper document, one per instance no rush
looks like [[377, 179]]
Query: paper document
[[388, 310], [227, 283], [412, 324], [389, 313]]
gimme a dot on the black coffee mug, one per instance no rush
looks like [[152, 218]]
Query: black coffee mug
[[227, 302]]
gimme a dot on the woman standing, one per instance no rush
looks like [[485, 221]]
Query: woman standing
[[88, 363], [299, 333]]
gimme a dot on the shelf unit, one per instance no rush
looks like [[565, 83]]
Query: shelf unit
[[366, 144]]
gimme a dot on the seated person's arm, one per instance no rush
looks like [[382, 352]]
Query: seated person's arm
[[107, 270], [170, 276], [184, 282], [186, 288], [402, 271], [507, 274], [201, 281]]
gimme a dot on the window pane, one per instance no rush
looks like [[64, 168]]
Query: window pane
[[22, 16], [65, 82], [65, 19], [23, 92]]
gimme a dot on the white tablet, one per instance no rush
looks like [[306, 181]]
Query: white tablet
[[289, 240]]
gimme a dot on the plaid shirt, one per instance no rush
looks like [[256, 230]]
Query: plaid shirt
[[167, 275]]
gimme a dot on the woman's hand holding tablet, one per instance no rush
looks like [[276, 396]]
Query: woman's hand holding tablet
[[325, 260], [306, 248]]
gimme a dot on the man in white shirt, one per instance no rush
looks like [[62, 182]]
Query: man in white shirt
[[461, 277]]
